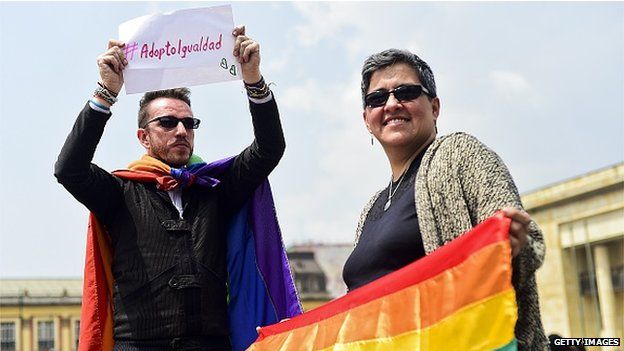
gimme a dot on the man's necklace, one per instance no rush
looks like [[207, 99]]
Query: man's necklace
[[391, 193]]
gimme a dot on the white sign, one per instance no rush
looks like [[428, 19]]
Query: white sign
[[179, 49]]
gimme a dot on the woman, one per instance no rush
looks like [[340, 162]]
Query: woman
[[439, 188]]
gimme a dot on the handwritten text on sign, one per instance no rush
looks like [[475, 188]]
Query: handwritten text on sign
[[181, 48], [151, 51]]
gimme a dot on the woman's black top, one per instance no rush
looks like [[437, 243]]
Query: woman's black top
[[390, 239]]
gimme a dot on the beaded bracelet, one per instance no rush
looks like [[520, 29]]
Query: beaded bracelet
[[110, 91], [258, 90], [105, 94]]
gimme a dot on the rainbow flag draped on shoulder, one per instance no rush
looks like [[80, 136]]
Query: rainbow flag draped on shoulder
[[459, 297], [260, 286]]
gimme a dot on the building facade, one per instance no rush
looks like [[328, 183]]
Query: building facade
[[581, 283], [40, 314], [310, 279], [331, 258]]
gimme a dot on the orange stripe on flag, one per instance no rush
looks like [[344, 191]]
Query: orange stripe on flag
[[96, 325], [417, 301], [450, 333], [431, 300]]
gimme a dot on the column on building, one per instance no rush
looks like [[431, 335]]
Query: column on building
[[606, 294]]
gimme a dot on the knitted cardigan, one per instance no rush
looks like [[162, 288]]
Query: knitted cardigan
[[460, 183]]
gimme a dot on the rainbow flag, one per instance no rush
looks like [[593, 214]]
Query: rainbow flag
[[260, 286], [459, 297]]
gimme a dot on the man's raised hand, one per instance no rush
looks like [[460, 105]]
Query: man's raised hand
[[247, 51], [111, 65]]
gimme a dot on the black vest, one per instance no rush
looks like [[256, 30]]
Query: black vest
[[169, 273]]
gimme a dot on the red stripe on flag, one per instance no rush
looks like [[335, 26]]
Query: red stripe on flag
[[440, 260]]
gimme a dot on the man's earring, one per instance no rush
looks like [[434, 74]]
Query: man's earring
[[372, 139]]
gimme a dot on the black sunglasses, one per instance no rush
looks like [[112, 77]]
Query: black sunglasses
[[402, 93], [169, 122]]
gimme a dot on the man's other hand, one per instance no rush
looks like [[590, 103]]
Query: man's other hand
[[111, 65], [247, 51]]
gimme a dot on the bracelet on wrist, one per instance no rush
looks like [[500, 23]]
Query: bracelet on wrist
[[260, 82], [258, 90], [105, 95], [114, 94], [102, 106], [97, 106]]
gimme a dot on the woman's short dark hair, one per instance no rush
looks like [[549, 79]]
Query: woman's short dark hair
[[183, 94], [393, 56]]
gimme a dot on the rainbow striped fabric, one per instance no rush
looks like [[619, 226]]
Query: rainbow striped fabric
[[260, 286], [459, 297]]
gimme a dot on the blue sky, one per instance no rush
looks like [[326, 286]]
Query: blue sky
[[540, 83]]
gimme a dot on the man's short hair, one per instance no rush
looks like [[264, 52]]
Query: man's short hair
[[183, 94], [393, 56]]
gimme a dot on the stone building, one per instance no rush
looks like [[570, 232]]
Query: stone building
[[309, 279], [581, 283], [330, 258], [40, 314]]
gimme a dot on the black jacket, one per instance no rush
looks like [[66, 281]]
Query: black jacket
[[169, 273]]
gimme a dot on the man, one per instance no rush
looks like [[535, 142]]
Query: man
[[167, 232]]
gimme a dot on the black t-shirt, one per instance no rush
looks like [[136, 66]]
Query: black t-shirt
[[390, 239]]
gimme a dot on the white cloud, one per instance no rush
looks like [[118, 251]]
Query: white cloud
[[304, 96], [361, 29], [323, 20], [280, 62], [514, 88], [153, 7], [348, 170], [509, 81]]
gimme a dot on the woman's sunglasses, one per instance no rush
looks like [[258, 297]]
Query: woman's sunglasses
[[169, 122], [402, 93]]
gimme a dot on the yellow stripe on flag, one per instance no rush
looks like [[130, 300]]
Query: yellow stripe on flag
[[460, 297], [451, 333], [413, 308]]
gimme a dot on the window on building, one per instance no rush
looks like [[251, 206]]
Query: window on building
[[617, 276], [321, 283], [76, 334], [7, 336], [45, 335], [314, 286], [308, 284], [299, 284]]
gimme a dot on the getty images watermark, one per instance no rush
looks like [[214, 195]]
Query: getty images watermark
[[585, 342]]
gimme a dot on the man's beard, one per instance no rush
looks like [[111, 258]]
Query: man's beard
[[173, 159]]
